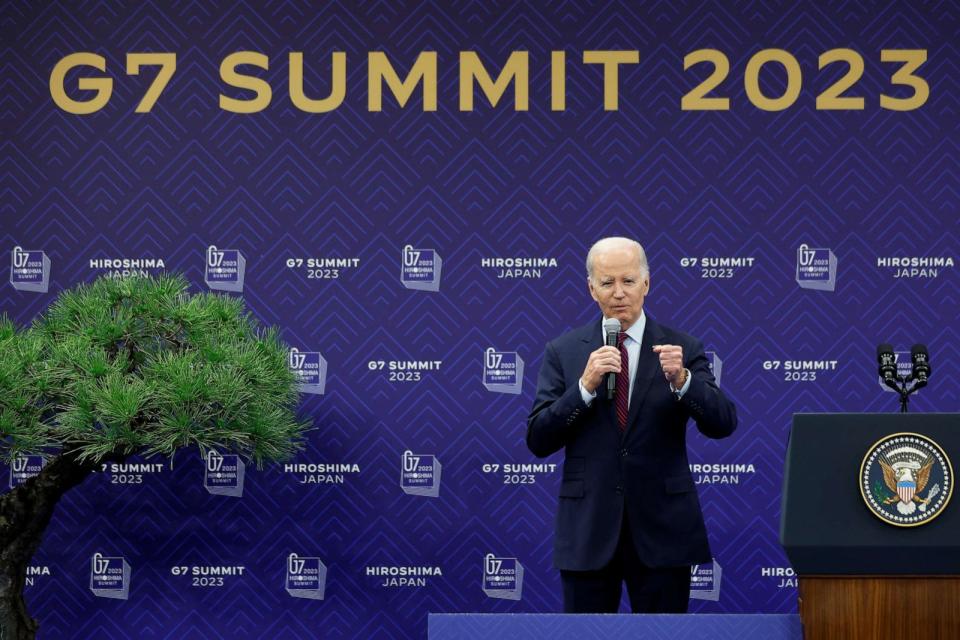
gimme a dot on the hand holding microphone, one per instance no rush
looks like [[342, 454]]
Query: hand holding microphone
[[605, 361]]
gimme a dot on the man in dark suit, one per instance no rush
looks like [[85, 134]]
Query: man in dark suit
[[628, 510]]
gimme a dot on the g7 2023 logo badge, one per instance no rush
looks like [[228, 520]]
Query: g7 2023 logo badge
[[906, 479]]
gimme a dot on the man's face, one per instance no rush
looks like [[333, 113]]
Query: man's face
[[618, 286]]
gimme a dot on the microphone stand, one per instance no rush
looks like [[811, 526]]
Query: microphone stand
[[900, 386]]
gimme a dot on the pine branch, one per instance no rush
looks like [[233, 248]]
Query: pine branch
[[141, 365]]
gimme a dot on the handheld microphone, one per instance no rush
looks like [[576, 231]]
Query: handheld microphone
[[921, 364], [888, 365], [611, 327]]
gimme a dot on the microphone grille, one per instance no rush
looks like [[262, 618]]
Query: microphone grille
[[611, 324]]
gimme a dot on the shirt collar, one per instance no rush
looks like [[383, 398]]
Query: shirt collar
[[636, 329]]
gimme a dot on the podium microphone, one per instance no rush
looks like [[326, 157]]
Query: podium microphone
[[611, 327], [921, 364], [888, 365]]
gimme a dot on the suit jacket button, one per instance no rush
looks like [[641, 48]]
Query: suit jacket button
[[619, 490], [623, 453]]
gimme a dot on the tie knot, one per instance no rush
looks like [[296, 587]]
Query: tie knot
[[621, 338]]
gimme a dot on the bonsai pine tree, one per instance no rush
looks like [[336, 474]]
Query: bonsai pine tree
[[123, 367]]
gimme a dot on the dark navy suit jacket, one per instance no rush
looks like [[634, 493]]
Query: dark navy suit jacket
[[642, 474]]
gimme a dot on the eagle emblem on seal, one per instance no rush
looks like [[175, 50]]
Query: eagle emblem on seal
[[906, 479]]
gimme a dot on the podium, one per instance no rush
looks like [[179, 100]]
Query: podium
[[859, 576]]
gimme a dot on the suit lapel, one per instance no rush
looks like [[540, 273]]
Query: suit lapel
[[648, 367], [592, 334]]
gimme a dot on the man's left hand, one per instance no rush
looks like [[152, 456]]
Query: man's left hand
[[671, 361]]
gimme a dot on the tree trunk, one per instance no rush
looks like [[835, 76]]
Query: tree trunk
[[25, 513]]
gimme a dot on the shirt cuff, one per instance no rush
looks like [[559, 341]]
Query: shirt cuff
[[586, 395], [679, 392]]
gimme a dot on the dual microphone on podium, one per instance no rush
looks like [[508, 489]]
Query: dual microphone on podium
[[919, 372]]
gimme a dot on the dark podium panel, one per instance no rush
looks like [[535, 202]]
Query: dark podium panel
[[826, 528], [860, 577]]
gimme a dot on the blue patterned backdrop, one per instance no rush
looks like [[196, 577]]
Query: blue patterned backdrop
[[283, 185]]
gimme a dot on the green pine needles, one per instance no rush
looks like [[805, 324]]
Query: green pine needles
[[139, 365]]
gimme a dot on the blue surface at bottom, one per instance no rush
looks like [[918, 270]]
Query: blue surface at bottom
[[469, 626]]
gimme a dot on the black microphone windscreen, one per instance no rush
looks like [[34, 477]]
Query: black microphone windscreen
[[888, 366]]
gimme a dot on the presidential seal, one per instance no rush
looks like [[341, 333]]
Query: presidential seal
[[906, 479]]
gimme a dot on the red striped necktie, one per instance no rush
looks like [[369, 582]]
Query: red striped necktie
[[622, 395]]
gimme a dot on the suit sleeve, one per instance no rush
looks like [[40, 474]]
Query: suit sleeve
[[715, 415], [557, 408]]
